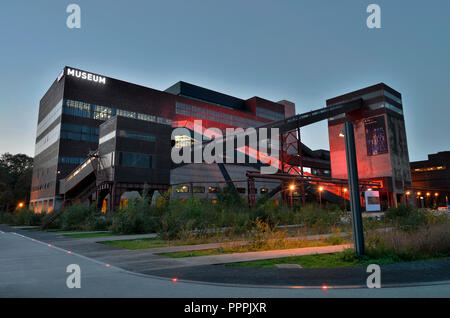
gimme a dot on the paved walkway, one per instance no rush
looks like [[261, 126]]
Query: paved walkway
[[33, 269], [116, 237], [256, 256]]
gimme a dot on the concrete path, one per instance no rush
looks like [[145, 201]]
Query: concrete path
[[117, 237], [33, 269], [256, 256]]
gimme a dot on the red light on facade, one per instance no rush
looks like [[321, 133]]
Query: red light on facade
[[324, 287], [107, 265], [174, 279], [69, 252], [49, 245]]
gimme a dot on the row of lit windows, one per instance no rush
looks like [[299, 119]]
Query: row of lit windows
[[208, 114], [430, 169], [268, 114], [79, 132], [42, 186], [72, 160], [201, 189], [86, 110]]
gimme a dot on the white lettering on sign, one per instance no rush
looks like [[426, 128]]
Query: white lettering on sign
[[86, 76]]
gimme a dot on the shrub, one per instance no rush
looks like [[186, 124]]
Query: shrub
[[83, 218], [137, 217], [6, 217], [26, 217], [191, 215], [430, 240], [275, 214], [266, 235], [321, 219], [406, 217]]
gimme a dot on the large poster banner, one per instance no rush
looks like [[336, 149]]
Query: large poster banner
[[376, 140]]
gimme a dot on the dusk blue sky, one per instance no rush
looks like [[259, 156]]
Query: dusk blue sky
[[302, 51]]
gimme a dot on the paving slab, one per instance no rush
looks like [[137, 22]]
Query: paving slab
[[256, 256], [288, 266]]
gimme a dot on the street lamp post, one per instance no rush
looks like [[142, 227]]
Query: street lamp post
[[353, 185], [320, 196], [345, 200], [292, 188]]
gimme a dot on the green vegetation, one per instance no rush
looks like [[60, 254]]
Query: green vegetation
[[235, 248], [24, 217], [429, 241], [197, 219], [79, 217], [15, 182], [340, 259]]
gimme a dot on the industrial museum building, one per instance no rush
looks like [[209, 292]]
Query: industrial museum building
[[102, 139]]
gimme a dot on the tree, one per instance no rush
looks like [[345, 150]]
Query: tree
[[15, 179]]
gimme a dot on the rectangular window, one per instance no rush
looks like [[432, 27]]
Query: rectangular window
[[430, 169], [182, 189], [79, 132], [126, 113], [137, 160], [72, 160], [137, 135], [102, 112], [268, 114], [240, 190], [199, 189], [213, 189]]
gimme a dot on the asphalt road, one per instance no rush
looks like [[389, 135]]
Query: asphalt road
[[30, 268]]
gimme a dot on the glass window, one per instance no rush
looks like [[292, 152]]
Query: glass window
[[128, 159], [268, 114], [199, 189], [213, 189], [136, 135], [182, 189], [240, 190], [126, 113], [79, 132], [102, 112]]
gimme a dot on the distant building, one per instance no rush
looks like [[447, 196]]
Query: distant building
[[431, 178], [78, 102], [380, 137]]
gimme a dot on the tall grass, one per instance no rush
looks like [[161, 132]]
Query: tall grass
[[426, 241]]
